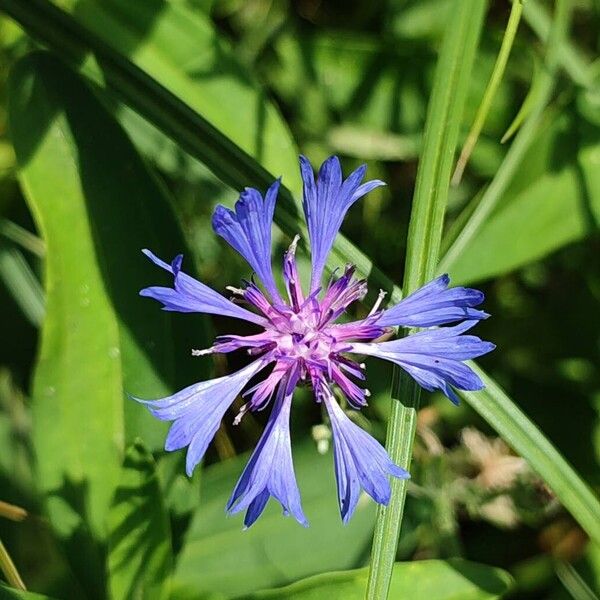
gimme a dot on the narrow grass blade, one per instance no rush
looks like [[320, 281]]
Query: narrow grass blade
[[7, 566], [22, 283], [520, 145], [573, 582], [19, 235], [527, 105], [424, 236], [569, 56], [490, 91]]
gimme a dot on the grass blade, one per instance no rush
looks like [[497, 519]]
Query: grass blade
[[22, 283], [424, 237], [7, 566], [568, 55], [519, 147], [490, 91], [19, 235]]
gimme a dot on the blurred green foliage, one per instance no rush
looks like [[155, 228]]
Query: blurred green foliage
[[86, 182]]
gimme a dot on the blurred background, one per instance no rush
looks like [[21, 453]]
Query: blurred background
[[351, 79]]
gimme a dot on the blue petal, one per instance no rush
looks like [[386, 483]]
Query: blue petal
[[434, 357], [198, 410], [325, 205], [270, 470], [190, 295], [434, 304], [360, 461], [248, 230]]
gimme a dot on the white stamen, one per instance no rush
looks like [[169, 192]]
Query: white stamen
[[294, 244], [196, 352], [368, 393], [382, 295], [239, 416], [235, 290], [362, 365]]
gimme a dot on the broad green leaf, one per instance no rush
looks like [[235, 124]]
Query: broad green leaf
[[107, 64], [560, 206], [184, 53], [8, 593], [453, 579], [139, 537], [96, 205], [218, 557]]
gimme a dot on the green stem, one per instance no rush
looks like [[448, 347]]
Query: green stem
[[20, 235], [424, 236], [7, 566], [575, 64], [490, 92], [520, 145]]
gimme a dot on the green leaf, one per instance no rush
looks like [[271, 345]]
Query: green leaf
[[8, 593], [453, 579], [181, 49], [355, 76], [219, 558], [136, 85], [558, 206], [528, 103], [139, 539], [96, 205]]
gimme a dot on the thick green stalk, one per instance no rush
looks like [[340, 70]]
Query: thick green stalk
[[424, 236], [490, 91], [521, 144]]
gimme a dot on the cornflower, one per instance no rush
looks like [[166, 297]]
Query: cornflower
[[303, 340]]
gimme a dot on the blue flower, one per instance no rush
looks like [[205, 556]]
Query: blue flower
[[302, 341]]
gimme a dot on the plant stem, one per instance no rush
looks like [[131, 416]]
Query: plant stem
[[424, 236], [7, 566], [490, 92], [575, 64]]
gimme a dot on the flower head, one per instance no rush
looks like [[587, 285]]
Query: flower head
[[302, 340]]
